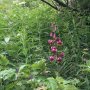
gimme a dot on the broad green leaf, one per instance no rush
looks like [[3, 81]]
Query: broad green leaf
[[6, 74], [60, 82], [22, 67], [52, 84], [10, 86], [38, 65], [24, 71], [60, 79], [6, 39], [3, 60], [88, 62], [70, 87]]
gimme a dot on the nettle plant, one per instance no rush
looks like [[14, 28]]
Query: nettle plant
[[55, 42]]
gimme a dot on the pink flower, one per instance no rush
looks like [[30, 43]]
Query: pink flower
[[54, 50], [53, 47], [51, 34], [54, 36], [55, 42], [50, 41], [59, 42], [62, 54], [59, 59], [51, 58], [57, 39]]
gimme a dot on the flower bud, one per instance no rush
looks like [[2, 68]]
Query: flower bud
[[51, 34], [54, 36], [59, 59], [50, 41], [53, 47], [54, 50], [59, 42], [51, 58], [62, 54]]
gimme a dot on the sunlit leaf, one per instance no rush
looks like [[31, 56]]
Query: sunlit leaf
[[70, 87], [6, 74], [3, 60], [6, 39], [39, 65], [52, 84]]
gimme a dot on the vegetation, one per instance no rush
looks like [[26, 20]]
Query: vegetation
[[29, 29]]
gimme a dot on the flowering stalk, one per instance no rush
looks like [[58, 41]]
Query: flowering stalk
[[54, 43]]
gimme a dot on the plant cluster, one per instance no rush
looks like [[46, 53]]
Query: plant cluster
[[54, 43]]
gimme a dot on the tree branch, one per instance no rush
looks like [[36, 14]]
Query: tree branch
[[60, 4], [49, 4], [64, 5]]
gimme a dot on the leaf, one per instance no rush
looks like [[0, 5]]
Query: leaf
[[88, 62], [24, 71], [11, 85], [52, 84], [3, 60], [6, 74], [60, 81], [70, 87], [6, 39], [85, 67], [74, 81], [38, 65], [22, 67]]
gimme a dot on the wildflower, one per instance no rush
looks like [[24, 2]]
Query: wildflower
[[59, 59], [58, 40], [54, 50], [54, 36], [51, 58], [50, 41], [53, 47], [62, 54], [51, 34]]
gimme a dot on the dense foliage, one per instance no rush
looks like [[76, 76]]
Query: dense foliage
[[25, 27]]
